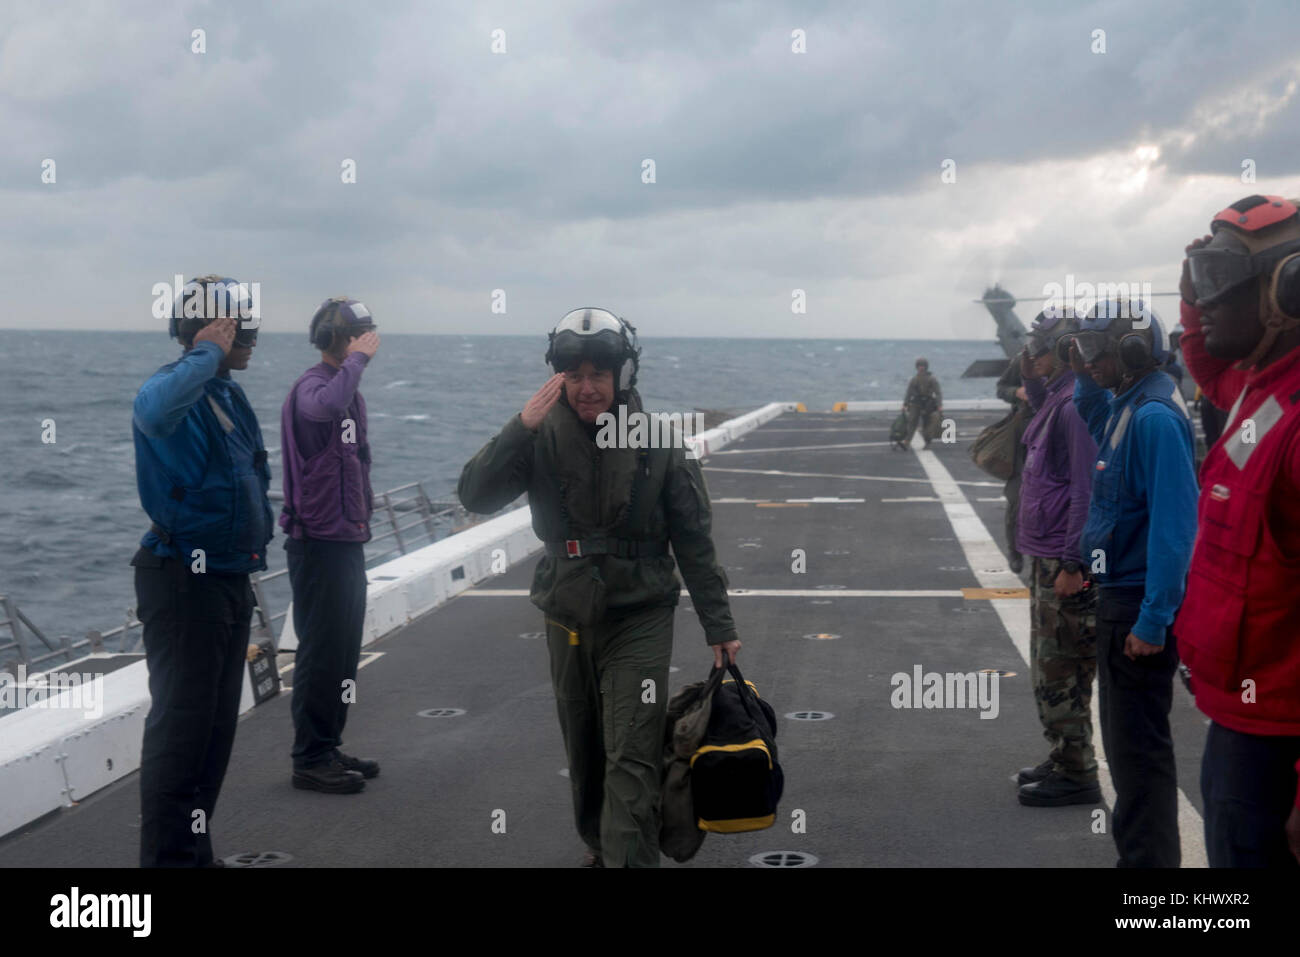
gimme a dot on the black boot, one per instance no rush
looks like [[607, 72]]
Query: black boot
[[1056, 790], [1033, 775], [332, 778], [1016, 562], [367, 769]]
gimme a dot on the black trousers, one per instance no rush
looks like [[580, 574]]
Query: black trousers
[[329, 610], [196, 631], [1134, 703], [1248, 783]]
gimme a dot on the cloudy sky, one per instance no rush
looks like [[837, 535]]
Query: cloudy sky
[[522, 169]]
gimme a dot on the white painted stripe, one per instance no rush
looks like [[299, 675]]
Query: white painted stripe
[[763, 593], [949, 405], [790, 501], [802, 448], [983, 553], [912, 498], [847, 478], [828, 500], [858, 430]]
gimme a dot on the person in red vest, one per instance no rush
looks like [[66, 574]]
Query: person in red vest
[[1237, 628]]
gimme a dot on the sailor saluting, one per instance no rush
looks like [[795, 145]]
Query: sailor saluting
[[203, 477], [606, 582]]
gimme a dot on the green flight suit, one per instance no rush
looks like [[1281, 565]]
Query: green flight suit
[[609, 618], [921, 403]]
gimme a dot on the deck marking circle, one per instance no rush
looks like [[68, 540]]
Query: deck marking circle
[[810, 715], [821, 636], [783, 859], [997, 671], [256, 859], [442, 712]]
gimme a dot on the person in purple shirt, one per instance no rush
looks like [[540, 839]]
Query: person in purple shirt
[[1055, 492], [326, 519]]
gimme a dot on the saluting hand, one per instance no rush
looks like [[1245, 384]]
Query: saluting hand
[[367, 344], [1076, 358], [220, 331], [1026, 366], [535, 409]]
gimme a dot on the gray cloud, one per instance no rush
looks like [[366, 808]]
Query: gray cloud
[[478, 171]]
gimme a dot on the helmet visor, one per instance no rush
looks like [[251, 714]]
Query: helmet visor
[[603, 349]]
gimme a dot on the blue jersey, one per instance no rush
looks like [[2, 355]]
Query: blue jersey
[[1142, 515]]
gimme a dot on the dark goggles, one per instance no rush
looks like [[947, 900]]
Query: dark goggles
[[1217, 271], [1093, 345], [603, 349], [1039, 346]]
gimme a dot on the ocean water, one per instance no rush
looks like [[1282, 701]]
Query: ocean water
[[70, 516]]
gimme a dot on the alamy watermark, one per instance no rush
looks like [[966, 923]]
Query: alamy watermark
[[54, 689], [975, 689], [649, 430], [1117, 297], [192, 300]]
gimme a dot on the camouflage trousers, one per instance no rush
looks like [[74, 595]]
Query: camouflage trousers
[[1063, 664]]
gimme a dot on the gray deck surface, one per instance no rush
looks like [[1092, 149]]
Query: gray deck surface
[[879, 786]]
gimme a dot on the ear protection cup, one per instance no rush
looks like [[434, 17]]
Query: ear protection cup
[[1285, 290], [325, 325], [1134, 353], [630, 365], [1063, 348]]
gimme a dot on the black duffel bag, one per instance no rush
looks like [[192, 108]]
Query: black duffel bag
[[736, 779]]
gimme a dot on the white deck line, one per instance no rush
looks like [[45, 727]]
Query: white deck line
[[803, 448], [950, 405], [763, 593], [986, 561], [850, 478]]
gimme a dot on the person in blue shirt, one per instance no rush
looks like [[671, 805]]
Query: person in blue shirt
[[202, 474], [1137, 542]]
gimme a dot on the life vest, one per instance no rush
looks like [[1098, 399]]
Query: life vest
[[1238, 622], [327, 496]]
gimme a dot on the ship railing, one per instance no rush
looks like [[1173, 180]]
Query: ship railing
[[405, 518]]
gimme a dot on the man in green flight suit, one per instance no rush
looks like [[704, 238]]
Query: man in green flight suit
[[923, 404], [607, 513]]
